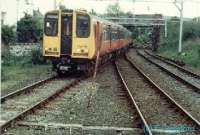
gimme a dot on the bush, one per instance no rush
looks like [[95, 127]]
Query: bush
[[191, 30], [37, 58], [34, 58], [191, 43], [3, 75], [8, 60], [30, 29], [143, 39], [8, 34]]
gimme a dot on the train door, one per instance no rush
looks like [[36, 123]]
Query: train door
[[66, 34]]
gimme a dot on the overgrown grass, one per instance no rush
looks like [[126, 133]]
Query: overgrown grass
[[17, 75], [190, 53], [16, 72], [191, 43]]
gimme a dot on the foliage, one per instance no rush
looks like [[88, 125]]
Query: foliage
[[15, 77], [3, 75], [36, 57], [191, 43], [114, 10], [30, 28], [191, 30], [8, 34], [190, 53], [8, 60], [142, 39], [62, 7], [92, 12]]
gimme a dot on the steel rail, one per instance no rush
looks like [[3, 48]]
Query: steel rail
[[195, 88], [38, 105], [146, 126], [174, 65], [26, 89], [177, 62], [196, 122]]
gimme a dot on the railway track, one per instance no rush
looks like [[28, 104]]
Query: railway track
[[110, 116], [175, 62], [172, 63], [164, 111], [181, 74], [27, 88], [17, 107], [144, 122]]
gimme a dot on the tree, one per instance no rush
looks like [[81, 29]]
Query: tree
[[62, 7], [128, 14], [8, 34], [92, 12], [114, 10], [30, 28]]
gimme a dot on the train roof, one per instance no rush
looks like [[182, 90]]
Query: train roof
[[93, 17], [108, 22]]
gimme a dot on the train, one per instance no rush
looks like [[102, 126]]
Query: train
[[73, 39]]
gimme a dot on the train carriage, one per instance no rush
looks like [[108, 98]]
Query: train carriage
[[72, 39]]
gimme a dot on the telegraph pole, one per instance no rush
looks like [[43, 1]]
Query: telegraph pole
[[181, 29], [17, 11], [181, 25], [55, 4], [165, 27], [17, 18]]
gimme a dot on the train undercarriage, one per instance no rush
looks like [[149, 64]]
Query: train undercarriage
[[66, 64]]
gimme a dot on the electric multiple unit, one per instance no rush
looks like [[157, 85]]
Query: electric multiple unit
[[73, 39]]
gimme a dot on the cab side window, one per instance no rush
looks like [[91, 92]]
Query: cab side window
[[51, 24]]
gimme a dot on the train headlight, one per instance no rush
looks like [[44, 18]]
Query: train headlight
[[78, 50]]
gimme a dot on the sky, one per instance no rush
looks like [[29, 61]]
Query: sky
[[191, 9]]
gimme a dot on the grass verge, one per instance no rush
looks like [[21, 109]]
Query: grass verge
[[190, 53], [18, 76]]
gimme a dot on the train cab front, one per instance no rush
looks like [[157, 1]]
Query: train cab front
[[57, 38], [65, 40]]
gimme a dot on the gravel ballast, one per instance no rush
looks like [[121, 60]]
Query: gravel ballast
[[105, 109], [17, 104], [185, 76], [183, 94], [152, 105]]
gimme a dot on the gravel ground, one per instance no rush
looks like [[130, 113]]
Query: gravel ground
[[183, 75], [106, 108], [183, 94], [15, 105], [154, 108], [195, 70]]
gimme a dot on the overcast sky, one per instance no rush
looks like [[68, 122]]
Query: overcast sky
[[191, 9]]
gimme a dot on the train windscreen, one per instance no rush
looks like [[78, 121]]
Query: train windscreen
[[51, 24], [82, 26]]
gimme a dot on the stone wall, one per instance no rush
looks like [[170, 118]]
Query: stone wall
[[23, 49]]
